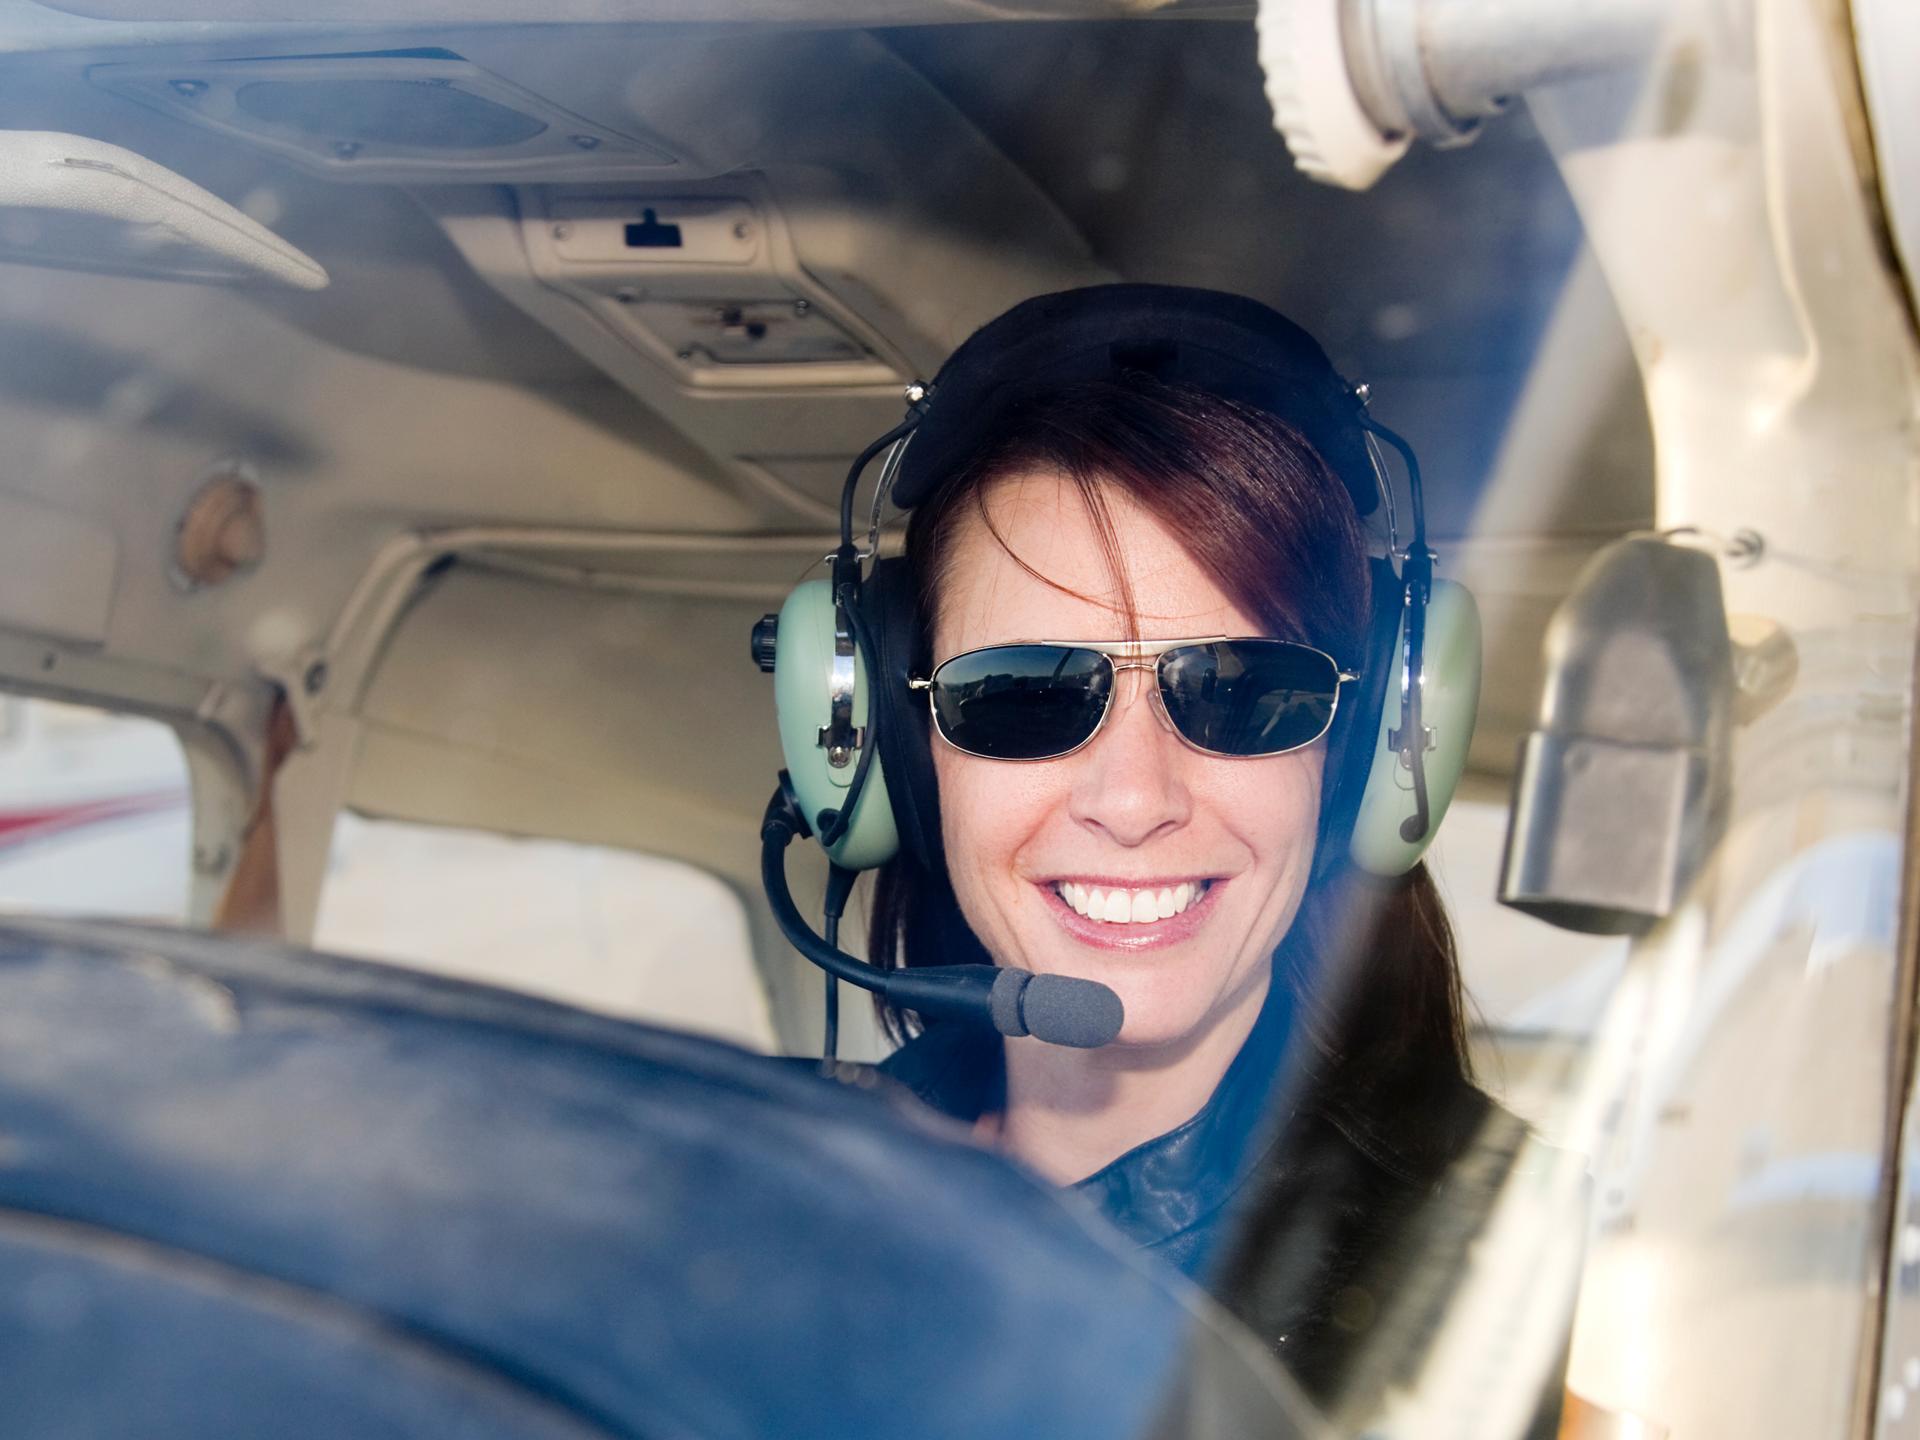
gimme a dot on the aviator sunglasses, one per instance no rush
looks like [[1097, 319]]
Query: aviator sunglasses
[[1044, 699]]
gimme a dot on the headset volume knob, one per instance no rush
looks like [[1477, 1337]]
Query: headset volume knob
[[766, 631]]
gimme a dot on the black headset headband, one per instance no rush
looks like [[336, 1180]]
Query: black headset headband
[[1226, 345]]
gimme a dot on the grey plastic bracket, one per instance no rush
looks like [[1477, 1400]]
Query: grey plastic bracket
[[1622, 789]]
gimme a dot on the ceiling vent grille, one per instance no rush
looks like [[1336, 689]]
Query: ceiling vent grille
[[391, 117]]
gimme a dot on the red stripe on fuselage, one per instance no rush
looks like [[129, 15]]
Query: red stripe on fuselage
[[22, 827]]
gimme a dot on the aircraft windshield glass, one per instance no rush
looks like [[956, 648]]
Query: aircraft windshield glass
[[423, 438]]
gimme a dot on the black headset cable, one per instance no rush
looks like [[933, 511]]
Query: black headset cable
[[847, 492], [839, 887]]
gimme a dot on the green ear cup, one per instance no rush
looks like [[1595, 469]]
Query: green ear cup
[[802, 690], [1449, 696]]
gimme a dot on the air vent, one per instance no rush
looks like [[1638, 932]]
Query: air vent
[[404, 114], [387, 117]]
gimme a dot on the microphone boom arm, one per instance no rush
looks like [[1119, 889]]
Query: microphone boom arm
[[1052, 1008]]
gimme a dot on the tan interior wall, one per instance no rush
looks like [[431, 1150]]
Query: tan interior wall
[[929, 179]]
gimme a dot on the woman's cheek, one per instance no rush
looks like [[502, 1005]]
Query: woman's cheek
[[1285, 833], [989, 810]]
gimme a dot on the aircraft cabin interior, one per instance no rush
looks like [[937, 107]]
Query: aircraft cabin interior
[[409, 414]]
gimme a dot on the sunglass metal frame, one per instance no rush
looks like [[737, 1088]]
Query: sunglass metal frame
[[1133, 653]]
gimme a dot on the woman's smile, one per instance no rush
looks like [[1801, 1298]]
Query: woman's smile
[[1133, 915]]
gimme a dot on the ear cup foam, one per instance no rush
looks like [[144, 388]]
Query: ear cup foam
[[1351, 748], [890, 609]]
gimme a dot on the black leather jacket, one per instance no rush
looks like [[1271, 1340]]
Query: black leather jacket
[[1333, 1226]]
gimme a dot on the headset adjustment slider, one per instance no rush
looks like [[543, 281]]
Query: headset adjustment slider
[[1399, 740], [840, 747]]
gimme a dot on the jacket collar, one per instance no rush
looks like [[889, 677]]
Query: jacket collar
[[1177, 1181], [1162, 1187]]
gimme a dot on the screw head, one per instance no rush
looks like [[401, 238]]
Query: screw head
[[741, 230], [585, 142], [1363, 392], [801, 307], [685, 357], [191, 89], [1745, 547], [915, 393], [627, 295], [562, 230]]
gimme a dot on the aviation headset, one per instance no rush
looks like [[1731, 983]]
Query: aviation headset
[[859, 774]]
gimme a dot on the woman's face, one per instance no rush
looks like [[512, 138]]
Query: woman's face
[[1137, 809]]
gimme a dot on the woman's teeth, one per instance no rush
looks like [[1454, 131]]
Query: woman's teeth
[[1116, 906]]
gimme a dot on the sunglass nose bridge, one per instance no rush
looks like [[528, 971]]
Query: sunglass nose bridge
[[1125, 692]]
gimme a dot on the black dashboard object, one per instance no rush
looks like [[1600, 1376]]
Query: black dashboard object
[[252, 1190]]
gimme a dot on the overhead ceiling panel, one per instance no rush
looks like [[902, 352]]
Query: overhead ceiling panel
[[390, 116]]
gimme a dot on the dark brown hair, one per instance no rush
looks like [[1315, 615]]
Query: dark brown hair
[[1372, 962]]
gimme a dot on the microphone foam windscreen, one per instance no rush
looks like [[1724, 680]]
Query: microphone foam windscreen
[[1082, 1014]]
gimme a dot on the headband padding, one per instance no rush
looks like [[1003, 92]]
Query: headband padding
[[1351, 747], [1226, 345], [889, 607]]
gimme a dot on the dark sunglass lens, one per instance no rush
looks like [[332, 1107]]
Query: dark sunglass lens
[[1249, 697], [1021, 702]]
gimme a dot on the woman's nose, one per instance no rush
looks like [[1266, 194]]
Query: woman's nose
[[1129, 782]]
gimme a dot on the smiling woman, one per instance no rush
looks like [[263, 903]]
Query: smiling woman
[[1137, 811], [1154, 598]]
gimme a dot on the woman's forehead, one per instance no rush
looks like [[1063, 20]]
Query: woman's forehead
[[1037, 567]]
